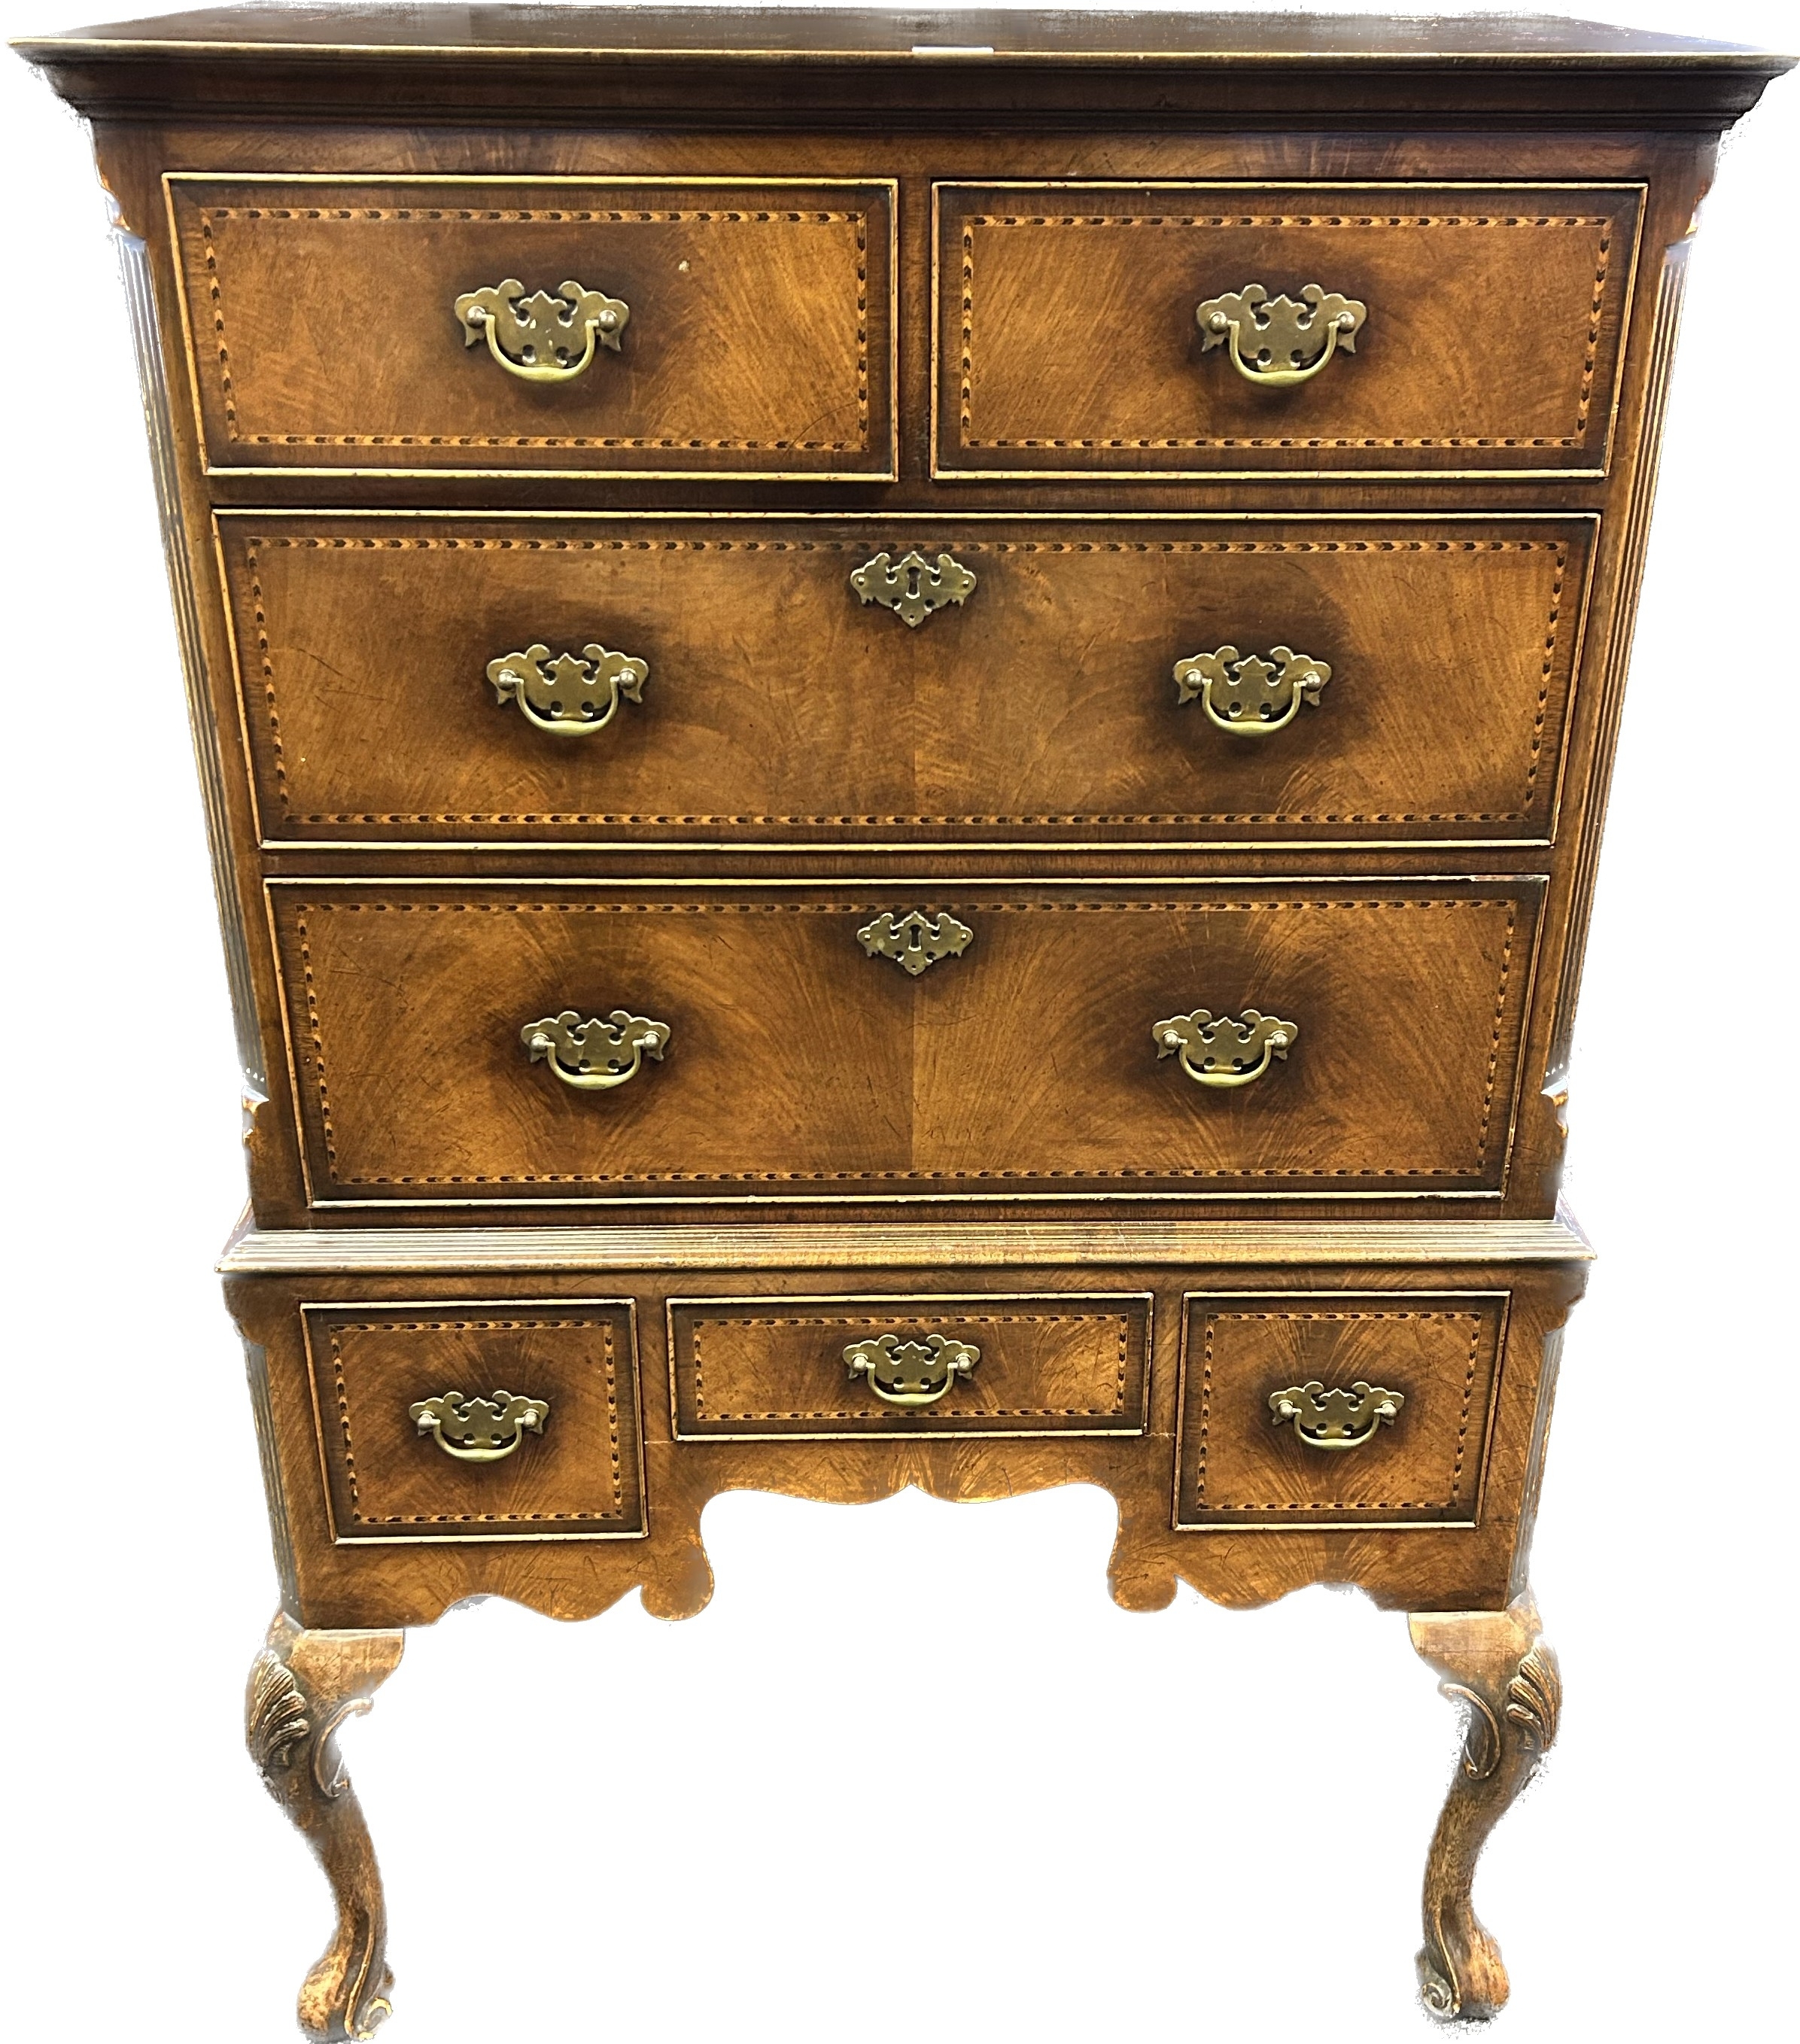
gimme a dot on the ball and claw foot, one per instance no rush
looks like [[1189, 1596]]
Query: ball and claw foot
[[1499, 1664], [303, 1685]]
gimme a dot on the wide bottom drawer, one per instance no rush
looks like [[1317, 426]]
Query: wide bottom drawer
[[500, 1043]]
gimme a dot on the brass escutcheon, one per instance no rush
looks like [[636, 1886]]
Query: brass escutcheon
[[594, 1056], [1275, 342], [480, 1429], [569, 694], [1335, 1419], [911, 1373], [914, 941], [1221, 1051], [913, 587], [1247, 695], [547, 338]]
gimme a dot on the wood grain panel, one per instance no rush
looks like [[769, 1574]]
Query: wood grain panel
[[577, 1478], [1067, 339], [798, 1067], [1237, 1465], [781, 708], [758, 1368], [320, 321]]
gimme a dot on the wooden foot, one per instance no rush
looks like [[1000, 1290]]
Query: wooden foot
[[1496, 1663], [302, 1687]]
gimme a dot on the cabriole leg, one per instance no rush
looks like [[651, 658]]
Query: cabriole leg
[[302, 1687], [1499, 1666]]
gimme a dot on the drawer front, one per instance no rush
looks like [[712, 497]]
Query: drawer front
[[1112, 329], [478, 1419], [1308, 1409], [808, 1043], [750, 326], [841, 1368], [773, 704]]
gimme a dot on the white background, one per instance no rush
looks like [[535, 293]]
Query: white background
[[912, 1774]]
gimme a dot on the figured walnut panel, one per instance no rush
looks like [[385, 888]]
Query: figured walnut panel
[[799, 1067], [1237, 1465], [780, 707], [1067, 338], [323, 334], [1069, 1363], [578, 1478]]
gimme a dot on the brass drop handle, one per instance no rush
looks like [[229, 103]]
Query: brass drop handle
[[911, 1373], [1221, 1051], [1338, 1420], [569, 694], [479, 1429], [1247, 695], [594, 1056], [547, 338], [1275, 342]]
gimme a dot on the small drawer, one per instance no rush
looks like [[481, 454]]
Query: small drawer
[[1399, 678], [1207, 329], [478, 1419], [842, 1368], [1308, 1409], [500, 1042], [633, 326]]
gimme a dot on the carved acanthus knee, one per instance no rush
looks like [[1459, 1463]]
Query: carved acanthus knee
[[303, 1685], [1499, 1666]]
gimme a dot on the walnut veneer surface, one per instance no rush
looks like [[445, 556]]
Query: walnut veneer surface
[[923, 810]]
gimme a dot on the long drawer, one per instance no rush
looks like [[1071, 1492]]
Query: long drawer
[[1096, 329], [1389, 678], [850, 1366], [631, 325], [500, 1043]]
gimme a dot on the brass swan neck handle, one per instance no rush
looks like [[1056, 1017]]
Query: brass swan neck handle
[[1276, 343], [479, 1429], [1220, 1051], [547, 337], [908, 1373], [1337, 1419], [569, 695], [1247, 695], [595, 1056]]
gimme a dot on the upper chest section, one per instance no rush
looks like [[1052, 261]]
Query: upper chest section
[[735, 327]]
